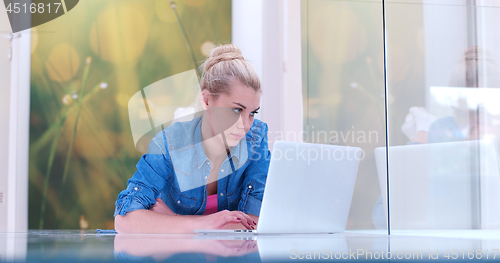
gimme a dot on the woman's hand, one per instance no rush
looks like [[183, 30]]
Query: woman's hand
[[417, 123], [239, 225], [231, 248], [220, 219]]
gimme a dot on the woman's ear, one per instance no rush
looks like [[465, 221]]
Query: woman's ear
[[204, 99]]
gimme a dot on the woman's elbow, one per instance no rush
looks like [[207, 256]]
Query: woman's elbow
[[121, 224]]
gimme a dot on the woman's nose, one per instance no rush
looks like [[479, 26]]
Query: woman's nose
[[244, 123], [239, 123]]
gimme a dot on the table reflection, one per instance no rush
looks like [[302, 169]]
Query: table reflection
[[212, 247], [199, 247], [82, 246]]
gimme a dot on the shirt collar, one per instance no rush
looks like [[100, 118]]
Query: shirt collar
[[200, 153]]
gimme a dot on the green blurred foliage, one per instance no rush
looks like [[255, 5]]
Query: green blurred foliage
[[128, 44]]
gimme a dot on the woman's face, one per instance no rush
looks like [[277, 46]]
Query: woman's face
[[233, 114]]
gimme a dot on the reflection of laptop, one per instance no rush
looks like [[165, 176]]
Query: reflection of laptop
[[453, 185], [294, 246], [309, 189], [276, 248]]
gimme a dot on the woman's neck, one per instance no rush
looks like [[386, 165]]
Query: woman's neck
[[213, 146]]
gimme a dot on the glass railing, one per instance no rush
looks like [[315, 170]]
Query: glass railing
[[428, 71]]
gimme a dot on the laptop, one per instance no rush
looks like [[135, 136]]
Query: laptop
[[452, 185], [309, 189]]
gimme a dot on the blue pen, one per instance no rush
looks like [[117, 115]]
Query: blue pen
[[105, 231]]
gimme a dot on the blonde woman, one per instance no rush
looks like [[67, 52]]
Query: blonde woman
[[207, 173]]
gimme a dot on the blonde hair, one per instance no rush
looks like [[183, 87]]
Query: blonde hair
[[475, 68], [225, 65]]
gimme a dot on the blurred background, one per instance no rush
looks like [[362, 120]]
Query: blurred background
[[82, 155], [413, 83]]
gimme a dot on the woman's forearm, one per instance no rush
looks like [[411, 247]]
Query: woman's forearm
[[145, 221], [148, 221]]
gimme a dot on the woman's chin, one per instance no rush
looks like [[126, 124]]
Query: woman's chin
[[231, 142]]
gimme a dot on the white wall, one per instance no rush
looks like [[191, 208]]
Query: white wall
[[246, 30], [444, 43], [14, 126], [13, 182], [4, 114], [19, 114], [269, 35]]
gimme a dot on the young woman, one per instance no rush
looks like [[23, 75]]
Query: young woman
[[207, 173]]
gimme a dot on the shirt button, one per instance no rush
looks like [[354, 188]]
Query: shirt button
[[250, 186], [222, 170], [206, 177], [135, 188], [221, 194], [178, 201]]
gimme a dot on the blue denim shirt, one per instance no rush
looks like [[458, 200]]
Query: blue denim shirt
[[445, 130], [176, 169]]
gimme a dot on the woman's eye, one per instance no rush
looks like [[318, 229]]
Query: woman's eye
[[237, 111], [253, 113]]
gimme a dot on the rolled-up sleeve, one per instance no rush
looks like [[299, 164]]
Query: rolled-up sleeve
[[255, 175], [153, 170]]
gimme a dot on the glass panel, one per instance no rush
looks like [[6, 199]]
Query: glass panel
[[343, 90], [442, 81], [82, 144]]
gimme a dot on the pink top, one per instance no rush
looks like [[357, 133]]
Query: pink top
[[211, 204]]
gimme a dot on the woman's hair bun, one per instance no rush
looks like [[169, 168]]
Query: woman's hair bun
[[223, 53], [228, 49], [225, 65], [476, 68]]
